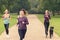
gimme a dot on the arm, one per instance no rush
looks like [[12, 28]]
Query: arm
[[26, 21], [17, 24], [3, 17], [9, 17], [49, 17], [17, 20]]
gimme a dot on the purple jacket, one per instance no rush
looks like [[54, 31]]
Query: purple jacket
[[22, 25]]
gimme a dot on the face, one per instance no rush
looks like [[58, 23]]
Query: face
[[22, 13]]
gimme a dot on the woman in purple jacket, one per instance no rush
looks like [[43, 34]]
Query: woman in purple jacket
[[46, 21], [22, 24]]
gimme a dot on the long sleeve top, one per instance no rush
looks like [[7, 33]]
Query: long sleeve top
[[20, 23], [46, 19]]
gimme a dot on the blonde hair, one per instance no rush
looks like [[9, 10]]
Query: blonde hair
[[46, 11], [6, 11]]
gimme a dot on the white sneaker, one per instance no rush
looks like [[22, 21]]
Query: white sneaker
[[7, 36], [23, 39]]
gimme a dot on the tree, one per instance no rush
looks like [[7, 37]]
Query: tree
[[14, 5], [25, 4]]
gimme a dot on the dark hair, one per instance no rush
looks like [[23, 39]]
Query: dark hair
[[23, 11]]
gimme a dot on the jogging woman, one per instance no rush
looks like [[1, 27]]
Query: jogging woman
[[22, 24], [46, 21], [6, 17]]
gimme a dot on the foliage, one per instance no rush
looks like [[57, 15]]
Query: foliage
[[14, 5]]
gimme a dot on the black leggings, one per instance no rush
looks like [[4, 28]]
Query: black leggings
[[6, 28], [22, 33], [46, 24]]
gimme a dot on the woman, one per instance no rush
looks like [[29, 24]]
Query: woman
[[22, 22], [6, 17], [46, 21]]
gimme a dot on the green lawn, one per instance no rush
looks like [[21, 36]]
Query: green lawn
[[12, 22], [55, 21]]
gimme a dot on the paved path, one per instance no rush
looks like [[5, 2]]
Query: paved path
[[35, 31]]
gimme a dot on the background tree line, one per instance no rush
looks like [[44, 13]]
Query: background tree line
[[33, 6], [14, 5], [40, 6]]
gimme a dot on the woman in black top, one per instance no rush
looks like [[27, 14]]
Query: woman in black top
[[46, 21]]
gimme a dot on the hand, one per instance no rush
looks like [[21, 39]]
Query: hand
[[46, 15], [16, 25], [23, 22]]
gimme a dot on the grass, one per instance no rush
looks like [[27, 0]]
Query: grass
[[55, 21], [12, 22]]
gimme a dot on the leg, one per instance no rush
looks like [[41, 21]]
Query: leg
[[20, 34], [51, 33], [46, 28], [7, 32], [24, 32], [6, 28]]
